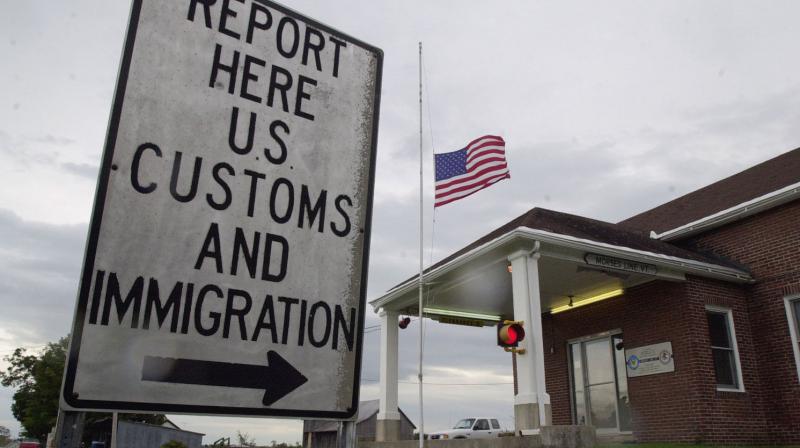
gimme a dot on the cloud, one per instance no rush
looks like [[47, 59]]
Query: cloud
[[24, 152], [6, 418], [81, 169], [39, 269], [53, 140], [604, 117], [28, 152]]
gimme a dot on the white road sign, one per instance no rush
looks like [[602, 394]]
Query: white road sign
[[225, 271]]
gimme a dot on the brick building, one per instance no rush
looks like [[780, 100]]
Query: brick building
[[678, 324]]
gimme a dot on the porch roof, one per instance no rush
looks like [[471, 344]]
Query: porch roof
[[564, 240]]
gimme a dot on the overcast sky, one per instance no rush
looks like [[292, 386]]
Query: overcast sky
[[607, 108]]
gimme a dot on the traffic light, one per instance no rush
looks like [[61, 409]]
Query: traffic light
[[404, 323], [509, 334]]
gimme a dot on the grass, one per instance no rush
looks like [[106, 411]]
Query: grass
[[681, 445]]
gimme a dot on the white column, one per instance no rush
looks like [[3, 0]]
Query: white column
[[543, 398], [532, 403], [388, 377]]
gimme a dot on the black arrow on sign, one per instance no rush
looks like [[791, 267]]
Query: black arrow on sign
[[277, 379]]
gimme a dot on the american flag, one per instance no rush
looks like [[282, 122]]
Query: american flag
[[463, 172]]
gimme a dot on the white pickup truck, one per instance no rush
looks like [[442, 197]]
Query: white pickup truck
[[471, 428]]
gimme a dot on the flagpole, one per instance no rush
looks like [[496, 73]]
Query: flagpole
[[419, 376]]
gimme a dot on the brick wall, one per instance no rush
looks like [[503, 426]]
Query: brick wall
[[652, 313], [768, 245], [726, 417], [685, 406]]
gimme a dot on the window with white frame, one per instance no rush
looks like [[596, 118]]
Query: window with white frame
[[793, 314], [727, 368]]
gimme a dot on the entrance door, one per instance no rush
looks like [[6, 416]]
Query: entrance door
[[600, 384]]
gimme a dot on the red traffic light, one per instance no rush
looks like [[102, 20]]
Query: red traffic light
[[510, 333]]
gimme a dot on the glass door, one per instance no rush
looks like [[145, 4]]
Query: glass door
[[599, 384]]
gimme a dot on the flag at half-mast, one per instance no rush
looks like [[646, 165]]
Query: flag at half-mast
[[460, 173]]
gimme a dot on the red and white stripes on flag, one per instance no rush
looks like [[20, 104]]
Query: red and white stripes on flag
[[460, 173]]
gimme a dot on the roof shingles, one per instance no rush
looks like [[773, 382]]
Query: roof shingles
[[751, 183]]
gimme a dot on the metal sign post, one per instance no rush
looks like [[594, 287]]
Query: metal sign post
[[226, 264], [69, 429], [114, 426], [346, 436]]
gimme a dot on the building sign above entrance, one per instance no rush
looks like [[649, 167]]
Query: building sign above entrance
[[649, 360], [620, 264]]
